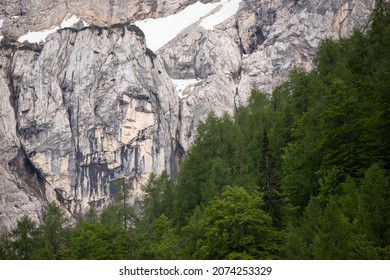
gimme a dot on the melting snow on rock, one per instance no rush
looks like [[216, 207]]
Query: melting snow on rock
[[40, 36], [159, 32], [181, 85]]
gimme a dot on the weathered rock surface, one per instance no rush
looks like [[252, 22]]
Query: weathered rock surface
[[288, 34], [21, 192], [91, 107], [211, 57]]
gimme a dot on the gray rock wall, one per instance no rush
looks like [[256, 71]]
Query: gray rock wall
[[91, 107], [21, 191]]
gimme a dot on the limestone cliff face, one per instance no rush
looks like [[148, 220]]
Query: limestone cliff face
[[21, 191], [94, 105]]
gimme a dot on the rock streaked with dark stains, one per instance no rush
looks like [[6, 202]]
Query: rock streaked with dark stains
[[91, 109], [22, 188]]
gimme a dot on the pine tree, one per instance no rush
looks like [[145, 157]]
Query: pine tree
[[26, 240], [268, 184], [53, 231]]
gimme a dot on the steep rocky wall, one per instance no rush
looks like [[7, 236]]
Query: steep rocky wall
[[288, 34], [91, 107], [21, 191]]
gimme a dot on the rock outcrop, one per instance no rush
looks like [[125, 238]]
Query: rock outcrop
[[288, 33]]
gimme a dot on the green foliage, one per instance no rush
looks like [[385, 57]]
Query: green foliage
[[235, 226], [121, 213], [53, 230], [375, 197], [334, 239], [97, 242], [158, 198], [26, 240], [166, 240], [194, 177]]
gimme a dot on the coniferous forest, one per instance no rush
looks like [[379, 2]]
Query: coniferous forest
[[301, 174]]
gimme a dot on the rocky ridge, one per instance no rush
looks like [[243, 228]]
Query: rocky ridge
[[21, 16]]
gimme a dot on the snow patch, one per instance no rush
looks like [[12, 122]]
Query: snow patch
[[1, 23], [229, 8], [85, 23], [181, 85], [159, 32], [69, 21], [40, 36]]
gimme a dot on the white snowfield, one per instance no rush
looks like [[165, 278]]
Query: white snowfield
[[40, 36], [159, 32], [228, 9]]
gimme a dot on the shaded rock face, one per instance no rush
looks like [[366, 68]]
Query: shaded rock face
[[95, 105], [21, 191], [91, 107]]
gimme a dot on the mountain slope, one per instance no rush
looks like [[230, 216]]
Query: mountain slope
[[91, 105]]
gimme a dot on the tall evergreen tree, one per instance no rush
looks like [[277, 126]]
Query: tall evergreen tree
[[268, 185]]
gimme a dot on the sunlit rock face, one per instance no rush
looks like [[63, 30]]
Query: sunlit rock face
[[92, 105]]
